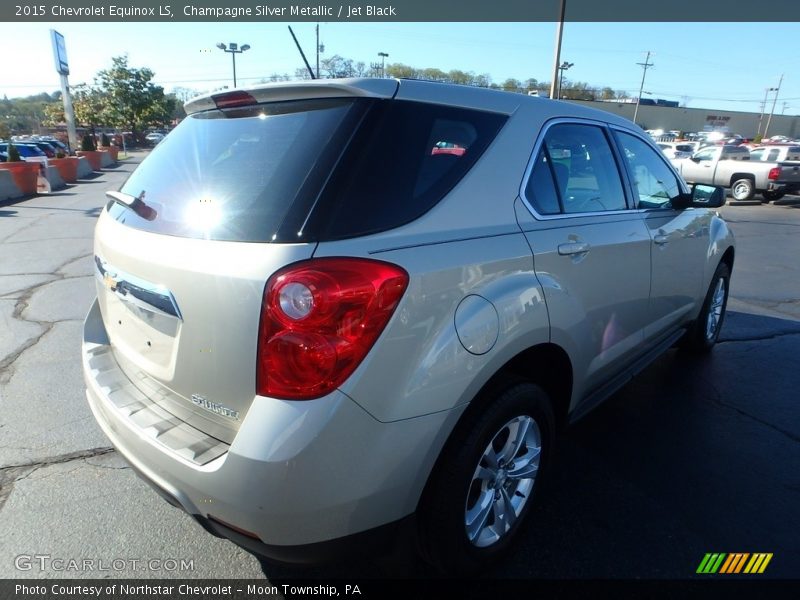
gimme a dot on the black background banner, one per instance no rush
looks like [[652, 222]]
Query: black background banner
[[399, 10], [406, 589]]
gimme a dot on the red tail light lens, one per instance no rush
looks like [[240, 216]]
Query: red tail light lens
[[233, 99], [319, 320], [774, 173]]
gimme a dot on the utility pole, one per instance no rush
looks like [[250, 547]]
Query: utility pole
[[645, 65], [557, 53], [774, 102], [763, 108]]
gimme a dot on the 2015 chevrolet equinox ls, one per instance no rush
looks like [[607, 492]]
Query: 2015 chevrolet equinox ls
[[323, 307]]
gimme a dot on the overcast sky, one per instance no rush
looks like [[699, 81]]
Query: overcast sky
[[723, 66]]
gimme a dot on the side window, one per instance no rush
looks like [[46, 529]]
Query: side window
[[577, 160], [653, 180], [705, 154], [757, 154], [773, 155]]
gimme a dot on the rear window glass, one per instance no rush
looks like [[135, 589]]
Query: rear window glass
[[236, 174], [683, 148], [406, 157]]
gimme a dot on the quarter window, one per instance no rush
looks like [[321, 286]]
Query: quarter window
[[575, 172], [653, 181]]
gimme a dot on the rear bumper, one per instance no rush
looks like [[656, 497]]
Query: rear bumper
[[786, 188], [297, 474]]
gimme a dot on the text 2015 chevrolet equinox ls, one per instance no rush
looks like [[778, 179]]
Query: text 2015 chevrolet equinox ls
[[326, 307]]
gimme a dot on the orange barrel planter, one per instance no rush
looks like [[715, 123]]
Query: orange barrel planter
[[93, 156], [67, 167], [25, 175], [113, 150]]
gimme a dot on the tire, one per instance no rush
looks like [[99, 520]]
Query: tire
[[772, 196], [703, 334], [474, 505], [743, 189]]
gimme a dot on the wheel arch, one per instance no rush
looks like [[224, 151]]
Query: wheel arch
[[737, 176], [546, 365]]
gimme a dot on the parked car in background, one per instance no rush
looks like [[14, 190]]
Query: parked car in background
[[27, 152], [731, 167], [46, 147], [340, 331], [58, 145], [776, 153], [676, 149], [154, 138]]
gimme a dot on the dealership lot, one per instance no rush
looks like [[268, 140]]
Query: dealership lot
[[696, 455]]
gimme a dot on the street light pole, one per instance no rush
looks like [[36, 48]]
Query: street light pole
[[233, 50], [383, 56], [563, 67]]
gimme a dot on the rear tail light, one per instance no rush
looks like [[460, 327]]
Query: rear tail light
[[319, 319], [774, 174]]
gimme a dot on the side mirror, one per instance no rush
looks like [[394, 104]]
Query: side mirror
[[701, 196], [707, 196], [694, 159]]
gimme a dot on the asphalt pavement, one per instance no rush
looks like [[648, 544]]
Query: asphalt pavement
[[696, 455]]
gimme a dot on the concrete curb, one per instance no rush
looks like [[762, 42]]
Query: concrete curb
[[745, 203], [8, 189], [84, 168], [794, 201], [106, 160], [54, 177]]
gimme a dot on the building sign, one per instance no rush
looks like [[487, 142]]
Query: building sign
[[716, 123], [59, 52]]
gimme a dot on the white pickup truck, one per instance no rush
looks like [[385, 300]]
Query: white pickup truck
[[731, 167]]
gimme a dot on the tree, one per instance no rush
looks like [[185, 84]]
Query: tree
[[89, 104], [401, 71], [132, 101], [511, 85], [337, 66], [607, 94]]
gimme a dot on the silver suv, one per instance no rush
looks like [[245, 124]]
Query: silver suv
[[331, 310]]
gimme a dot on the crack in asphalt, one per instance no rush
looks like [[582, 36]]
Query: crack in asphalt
[[33, 223], [7, 368], [759, 338], [6, 243], [10, 475], [718, 401]]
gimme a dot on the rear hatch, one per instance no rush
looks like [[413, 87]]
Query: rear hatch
[[185, 247]]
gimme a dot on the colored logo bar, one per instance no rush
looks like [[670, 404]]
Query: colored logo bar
[[735, 563]]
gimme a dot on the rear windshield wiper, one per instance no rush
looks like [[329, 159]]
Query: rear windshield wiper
[[135, 203]]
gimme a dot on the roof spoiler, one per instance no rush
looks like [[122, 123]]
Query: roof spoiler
[[298, 90]]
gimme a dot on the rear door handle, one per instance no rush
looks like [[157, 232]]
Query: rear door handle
[[573, 248]]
